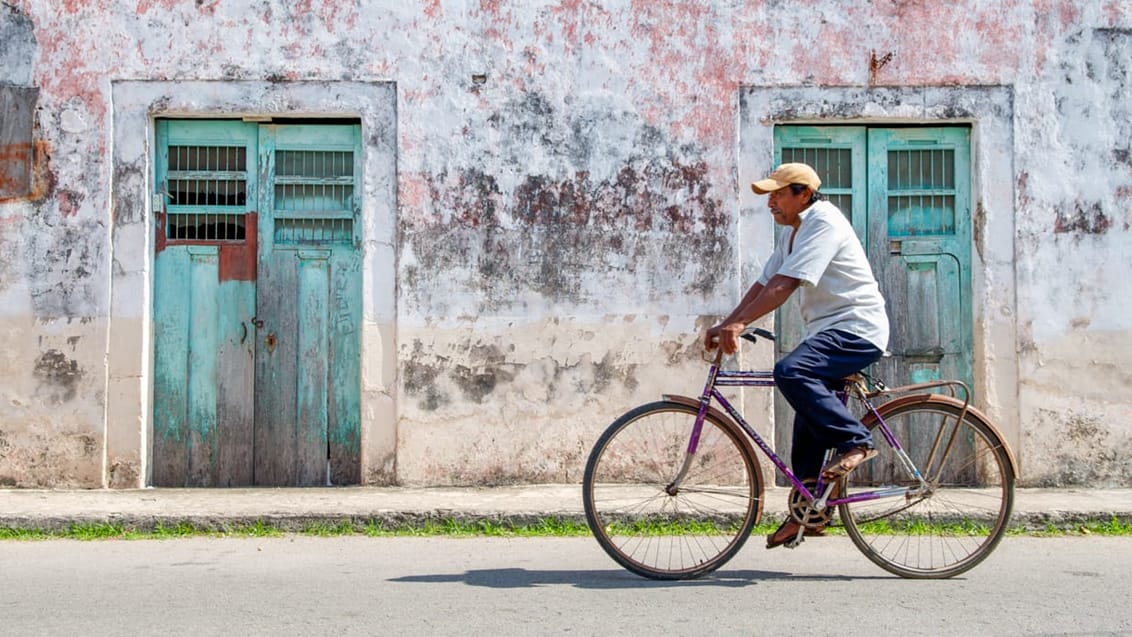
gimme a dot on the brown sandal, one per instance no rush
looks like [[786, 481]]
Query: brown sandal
[[843, 464], [788, 530]]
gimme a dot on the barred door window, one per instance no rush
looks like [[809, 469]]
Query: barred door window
[[314, 197], [207, 190]]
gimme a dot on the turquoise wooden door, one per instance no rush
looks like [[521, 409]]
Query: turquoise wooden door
[[257, 305], [307, 403], [907, 193], [203, 304]]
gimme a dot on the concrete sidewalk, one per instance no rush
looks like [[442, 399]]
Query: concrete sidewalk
[[293, 509]]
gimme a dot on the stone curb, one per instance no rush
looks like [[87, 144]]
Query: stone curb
[[291, 510]]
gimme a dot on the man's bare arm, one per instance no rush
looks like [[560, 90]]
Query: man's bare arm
[[767, 300], [758, 302]]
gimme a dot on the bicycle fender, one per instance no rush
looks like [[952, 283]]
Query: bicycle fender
[[974, 413]]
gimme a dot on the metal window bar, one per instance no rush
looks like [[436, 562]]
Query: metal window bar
[[834, 166], [921, 183], [314, 197], [202, 179]]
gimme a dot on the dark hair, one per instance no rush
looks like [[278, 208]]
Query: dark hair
[[797, 189]]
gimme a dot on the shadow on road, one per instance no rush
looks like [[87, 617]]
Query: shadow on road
[[608, 579]]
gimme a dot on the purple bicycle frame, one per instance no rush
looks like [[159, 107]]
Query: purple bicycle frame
[[718, 377]]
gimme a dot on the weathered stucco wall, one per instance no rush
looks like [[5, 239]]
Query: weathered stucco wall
[[568, 210]]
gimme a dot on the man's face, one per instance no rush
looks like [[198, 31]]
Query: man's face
[[785, 205]]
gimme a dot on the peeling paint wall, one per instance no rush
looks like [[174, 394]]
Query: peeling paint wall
[[1074, 197], [569, 213]]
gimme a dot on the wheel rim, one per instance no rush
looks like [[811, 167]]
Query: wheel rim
[[958, 520], [669, 535]]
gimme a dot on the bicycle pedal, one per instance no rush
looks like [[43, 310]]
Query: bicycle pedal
[[797, 539]]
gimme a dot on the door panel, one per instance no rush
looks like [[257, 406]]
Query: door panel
[[202, 371], [292, 409], [235, 381], [344, 375], [204, 299], [309, 299], [171, 370], [277, 368], [920, 237], [312, 392]]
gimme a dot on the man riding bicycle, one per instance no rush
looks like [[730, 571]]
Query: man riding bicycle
[[846, 328]]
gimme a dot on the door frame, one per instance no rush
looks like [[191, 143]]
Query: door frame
[[136, 105], [989, 110]]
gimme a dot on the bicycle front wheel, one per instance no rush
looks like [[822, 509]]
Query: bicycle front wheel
[[648, 525], [955, 520]]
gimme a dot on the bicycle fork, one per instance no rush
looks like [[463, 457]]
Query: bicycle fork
[[694, 440], [674, 487]]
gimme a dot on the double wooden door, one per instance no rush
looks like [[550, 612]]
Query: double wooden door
[[907, 193], [257, 304]]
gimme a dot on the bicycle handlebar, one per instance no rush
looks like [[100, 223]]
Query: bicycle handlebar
[[750, 334]]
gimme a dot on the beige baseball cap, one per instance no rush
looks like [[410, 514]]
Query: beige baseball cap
[[785, 175]]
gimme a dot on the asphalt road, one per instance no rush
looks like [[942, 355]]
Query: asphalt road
[[299, 585]]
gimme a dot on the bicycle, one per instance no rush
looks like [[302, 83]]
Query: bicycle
[[673, 488]]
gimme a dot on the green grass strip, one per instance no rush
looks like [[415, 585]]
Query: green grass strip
[[540, 528]]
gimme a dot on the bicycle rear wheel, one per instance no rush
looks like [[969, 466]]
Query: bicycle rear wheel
[[671, 533], [957, 520]]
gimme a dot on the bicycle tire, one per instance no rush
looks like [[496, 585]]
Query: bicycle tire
[[964, 515], [662, 535]]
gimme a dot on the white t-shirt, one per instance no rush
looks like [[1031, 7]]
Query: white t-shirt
[[838, 288]]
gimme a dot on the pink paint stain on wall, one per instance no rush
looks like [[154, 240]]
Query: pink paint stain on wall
[[997, 37], [412, 192], [569, 14], [942, 43], [1068, 12], [338, 15], [1117, 11], [490, 6], [711, 116], [71, 7], [145, 6], [66, 49], [69, 203], [692, 71], [1051, 21]]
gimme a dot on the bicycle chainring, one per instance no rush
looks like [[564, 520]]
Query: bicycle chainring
[[801, 510]]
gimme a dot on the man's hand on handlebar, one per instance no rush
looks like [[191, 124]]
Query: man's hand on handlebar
[[724, 336]]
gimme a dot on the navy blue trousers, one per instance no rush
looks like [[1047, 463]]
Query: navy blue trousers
[[808, 378]]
